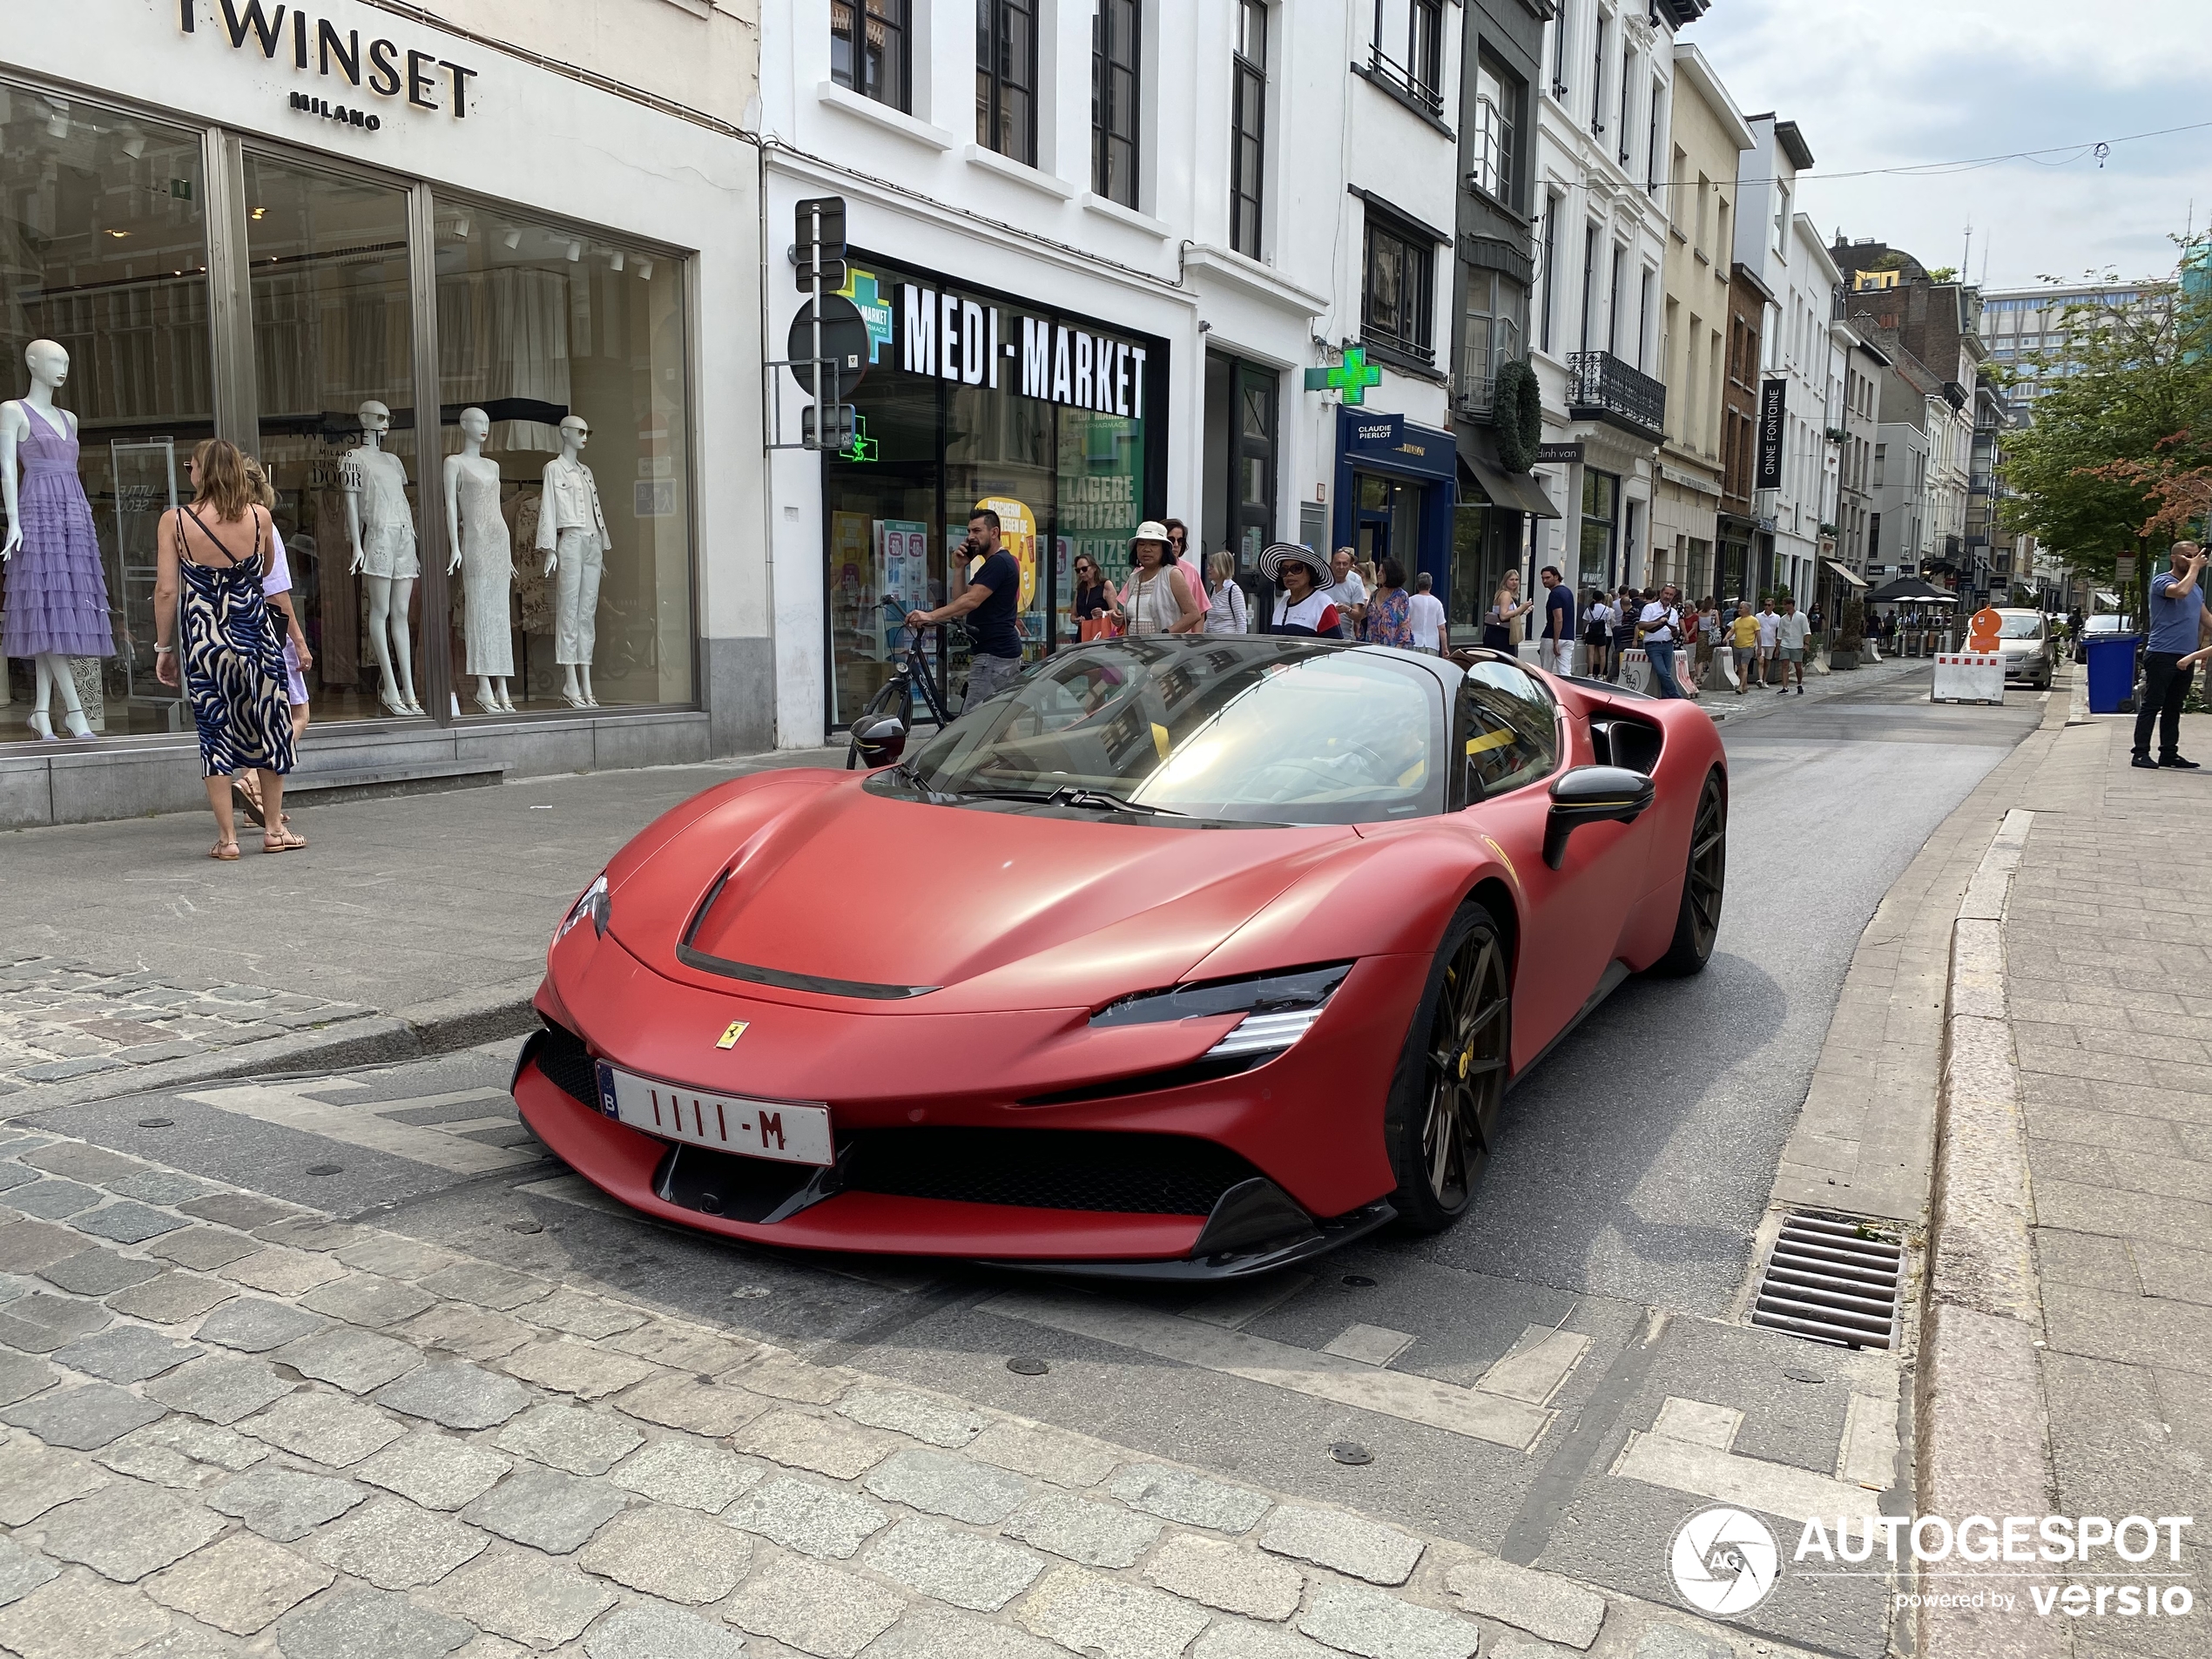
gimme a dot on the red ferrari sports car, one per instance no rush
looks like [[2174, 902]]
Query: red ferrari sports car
[[1183, 957]]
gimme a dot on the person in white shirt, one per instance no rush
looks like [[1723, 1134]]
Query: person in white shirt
[[1598, 617], [1791, 632], [1770, 628], [1661, 626], [1228, 614], [1425, 615], [1349, 596]]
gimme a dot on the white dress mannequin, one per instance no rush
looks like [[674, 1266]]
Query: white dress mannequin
[[572, 534], [481, 547], [381, 528], [49, 365]]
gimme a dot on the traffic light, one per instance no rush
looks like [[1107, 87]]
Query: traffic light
[[820, 242]]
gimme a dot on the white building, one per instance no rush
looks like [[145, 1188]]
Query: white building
[[254, 221], [1602, 135], [1096, 274], [1801, 363]]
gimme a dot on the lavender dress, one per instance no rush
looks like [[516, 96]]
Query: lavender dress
[[57, 596]]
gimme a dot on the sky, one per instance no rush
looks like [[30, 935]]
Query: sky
[[1874, 84]]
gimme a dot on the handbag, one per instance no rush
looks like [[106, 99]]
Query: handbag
[[1092, 628]]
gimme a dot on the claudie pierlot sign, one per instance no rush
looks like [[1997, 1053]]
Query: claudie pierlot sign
[[383, 69]]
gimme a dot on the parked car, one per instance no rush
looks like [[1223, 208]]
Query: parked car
[[2024, 641], [2106, 624], [1179, 959]]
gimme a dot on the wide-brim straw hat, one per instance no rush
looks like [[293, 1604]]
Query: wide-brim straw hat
[[1274, 556], [1150, 530]]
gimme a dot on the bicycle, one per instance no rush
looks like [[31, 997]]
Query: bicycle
[[895, 697]]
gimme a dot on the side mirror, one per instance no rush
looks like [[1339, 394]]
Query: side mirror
[[881, 739], [1593, 795]]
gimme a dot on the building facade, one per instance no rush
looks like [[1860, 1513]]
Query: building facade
[[1708, 139], [1858, 422], [1155, 261], [2030, 331], [1604, 127], [1502, 57], [1743, 548], [328, 234]]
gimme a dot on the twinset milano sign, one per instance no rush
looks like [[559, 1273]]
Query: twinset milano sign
[[967, 341], [316, 46]]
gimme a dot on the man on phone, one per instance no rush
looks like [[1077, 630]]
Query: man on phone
[[988, 601], [2176, 626]]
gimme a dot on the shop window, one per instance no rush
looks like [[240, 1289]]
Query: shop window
[[1399, 305], [1006, 78], [1248, 128], [1055, 436], [541, 327], [1116, 66], [103, 245], [869, 49], [333, 352], [1600, 506]]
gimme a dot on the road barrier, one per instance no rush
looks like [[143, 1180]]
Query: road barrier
[[1968, 677]]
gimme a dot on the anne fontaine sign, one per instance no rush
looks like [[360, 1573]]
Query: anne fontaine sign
[[341, 58]]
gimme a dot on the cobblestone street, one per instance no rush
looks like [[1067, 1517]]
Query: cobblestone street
[[237, 1426]]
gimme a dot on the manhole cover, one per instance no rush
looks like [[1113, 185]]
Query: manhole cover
[[1024, 1365], [325, 1169], [1350, 1452], [525, 1227], [157, 1122], [1360, 1281], [1832, 1279]]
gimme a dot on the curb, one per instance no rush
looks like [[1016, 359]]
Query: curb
[[438, 1027], [1983, 1428]]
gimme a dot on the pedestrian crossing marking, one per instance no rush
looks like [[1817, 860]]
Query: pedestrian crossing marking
[[1407, 1396], [1241, 1302], [1540, 1363], [1690, 1448], [1370, 1344], [288, 1108]]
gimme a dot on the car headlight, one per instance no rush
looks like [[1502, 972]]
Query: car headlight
[[593, 904], [1279, 1009]]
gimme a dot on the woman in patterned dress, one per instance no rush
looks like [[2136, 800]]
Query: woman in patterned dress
[[214, 553]]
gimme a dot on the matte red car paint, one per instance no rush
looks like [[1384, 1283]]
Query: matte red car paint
[[1028, 923]]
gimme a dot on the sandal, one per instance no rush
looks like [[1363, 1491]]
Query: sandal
[[226, 852], [250, 800], [282, 840]]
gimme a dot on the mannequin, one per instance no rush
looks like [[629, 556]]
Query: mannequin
[[381, 528], [572, 534], [480, 546], [56, 594]]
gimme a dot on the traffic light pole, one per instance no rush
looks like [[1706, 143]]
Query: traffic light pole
[[820, 408]]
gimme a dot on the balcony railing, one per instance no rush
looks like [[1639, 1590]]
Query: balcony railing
[[1476, 394], [1601, 386]]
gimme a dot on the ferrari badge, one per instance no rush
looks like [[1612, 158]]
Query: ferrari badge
[[729, 1038]]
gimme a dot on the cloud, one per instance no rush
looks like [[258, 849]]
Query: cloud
[[1981, 77]]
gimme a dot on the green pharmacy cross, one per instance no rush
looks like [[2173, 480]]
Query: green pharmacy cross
[[864, 448], [1352, 377]]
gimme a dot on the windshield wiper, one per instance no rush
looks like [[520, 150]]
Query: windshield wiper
[[1104, 801]]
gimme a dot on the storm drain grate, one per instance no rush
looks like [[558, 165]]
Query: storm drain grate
[[1832, 1280]]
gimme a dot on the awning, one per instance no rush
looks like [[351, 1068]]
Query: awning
[[1518, 491], [1846, 572], [2104, 598], [1910, 589]]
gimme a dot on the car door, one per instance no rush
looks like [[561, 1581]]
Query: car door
[[1512, 739]]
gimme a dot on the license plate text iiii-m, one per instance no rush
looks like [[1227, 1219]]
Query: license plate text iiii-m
[[780, 1130]]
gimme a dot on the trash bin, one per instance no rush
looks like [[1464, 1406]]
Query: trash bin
[[2112, 672]]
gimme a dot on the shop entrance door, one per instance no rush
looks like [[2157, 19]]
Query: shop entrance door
[[1238, 510]]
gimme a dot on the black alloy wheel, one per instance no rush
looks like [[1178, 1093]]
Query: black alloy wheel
[[1452, 1078], [1705, 885]]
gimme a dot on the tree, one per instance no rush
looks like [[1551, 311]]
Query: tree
[[2139, 393]]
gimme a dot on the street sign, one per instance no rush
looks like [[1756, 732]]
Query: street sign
[[1771, 431], [840, 432], [819, 240], [845, 344], [2123, 570]]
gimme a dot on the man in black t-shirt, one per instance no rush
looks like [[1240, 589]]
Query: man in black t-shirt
[[989, 604], [1555, 647]]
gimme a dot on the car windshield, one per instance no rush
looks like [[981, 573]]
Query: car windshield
[[1276, 731], [2106, 624], [2019, 625]]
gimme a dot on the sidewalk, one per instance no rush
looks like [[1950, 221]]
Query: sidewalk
[[238, 1426], [407, 925], [2069, 1360]]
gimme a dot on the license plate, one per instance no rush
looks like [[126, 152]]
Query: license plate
[[757, 1128]]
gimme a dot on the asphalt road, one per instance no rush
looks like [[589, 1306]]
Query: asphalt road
[[1614, 1230]]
